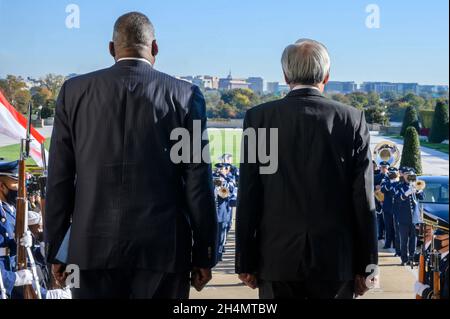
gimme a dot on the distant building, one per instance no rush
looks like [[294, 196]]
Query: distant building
[[206, 82], [378, 87], [272, 87], [433, 89], [256, 84], [403, 88], [382, 87], [340, 87], [229, 83]]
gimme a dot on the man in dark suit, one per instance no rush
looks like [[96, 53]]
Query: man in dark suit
[[141, 223], [309, 229]]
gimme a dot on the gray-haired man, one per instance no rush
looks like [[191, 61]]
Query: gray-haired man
[[309, 229]]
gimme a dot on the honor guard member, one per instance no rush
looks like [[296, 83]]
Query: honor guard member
[[379, 175], [224, 189], [8, 246], [388, 189], [394, 175], [408, 216], [426, 289]]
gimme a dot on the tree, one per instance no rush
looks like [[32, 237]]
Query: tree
[[15, 91], [439, 128], [376, 115], [373, 98], [53, 83], [22, 100], [410, 119], [41, 96], [411, 150], [413, 100]]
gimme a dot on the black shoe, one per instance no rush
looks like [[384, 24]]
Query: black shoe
[[386, 247]]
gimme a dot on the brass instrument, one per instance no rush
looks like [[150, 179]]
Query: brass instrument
[[420, 185], [379, 195], [386, 151], [221, 189]]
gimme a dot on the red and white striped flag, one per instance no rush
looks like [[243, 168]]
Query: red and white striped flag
[[14, 125]]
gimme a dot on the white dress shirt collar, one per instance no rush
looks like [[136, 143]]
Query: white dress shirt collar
[[302, 86], [135, 59]]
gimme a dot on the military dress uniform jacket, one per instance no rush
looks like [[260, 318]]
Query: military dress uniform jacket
[[8, 247], [408, 207]]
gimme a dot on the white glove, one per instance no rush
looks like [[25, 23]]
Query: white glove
[[409, 191], [419, 288], [23, 277], [59, 294], [26, 240]]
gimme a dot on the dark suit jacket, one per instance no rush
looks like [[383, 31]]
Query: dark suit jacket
[[112, 178], [315, 217]]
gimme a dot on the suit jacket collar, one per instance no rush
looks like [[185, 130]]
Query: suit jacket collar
[[304, 92]]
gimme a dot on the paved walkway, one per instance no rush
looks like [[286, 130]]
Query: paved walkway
[[396, 282], [433, 162]]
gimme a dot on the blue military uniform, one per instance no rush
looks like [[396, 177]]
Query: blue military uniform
[[8, 247], [378, 178], [388, 189], [224, 210], [8, 244], [408, 217]]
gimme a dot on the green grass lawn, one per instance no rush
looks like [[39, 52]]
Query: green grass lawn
[[221, 141], [438, 147]]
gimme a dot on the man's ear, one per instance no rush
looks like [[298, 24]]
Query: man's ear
[[112, 50], [155, 48], [285, 78], [327, 78]]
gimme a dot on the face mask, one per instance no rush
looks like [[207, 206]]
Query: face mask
[[11, 197]]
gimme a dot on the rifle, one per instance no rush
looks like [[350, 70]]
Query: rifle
[[43, 182], [2, 287], [435, 260], [22, 213], [422, 270]]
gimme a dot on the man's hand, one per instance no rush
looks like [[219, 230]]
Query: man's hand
[[200, 277], [249, 280], [377, 187], [360, 285], [59, 273]]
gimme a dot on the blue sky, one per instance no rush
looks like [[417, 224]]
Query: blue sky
[[212, 37]]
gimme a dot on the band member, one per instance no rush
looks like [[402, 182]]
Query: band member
[[379, 175], [408, 216], [234, 170], [224, 190], [394, 177], [388, 189]]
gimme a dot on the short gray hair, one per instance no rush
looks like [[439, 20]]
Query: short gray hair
[[133, 30], [305, 62]]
